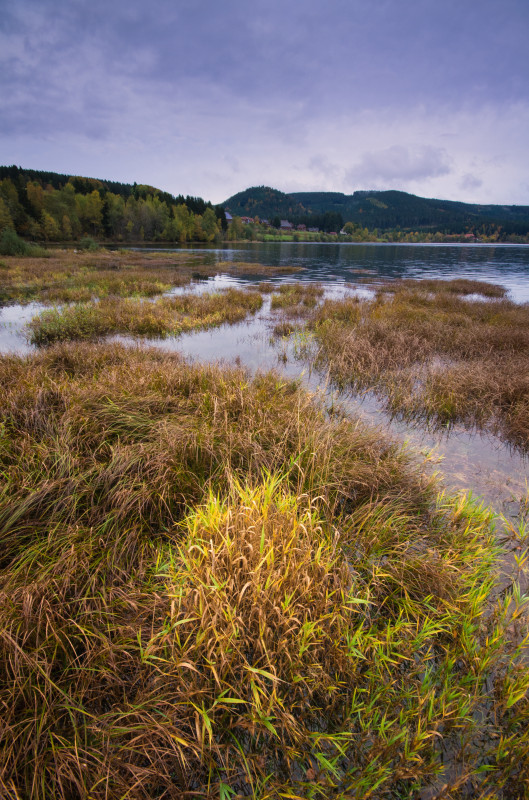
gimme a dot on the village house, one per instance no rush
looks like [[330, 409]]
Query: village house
[[286, 225]]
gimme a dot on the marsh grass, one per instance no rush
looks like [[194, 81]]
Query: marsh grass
[[296, 299], [68, 276], [266, 287], [433, 355], [210, 589], [161, 317], [456, 286], [284, 328]]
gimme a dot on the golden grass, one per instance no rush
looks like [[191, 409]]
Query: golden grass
[[456, 286], [209, 589], [434, 355], [68, 276], [296, 298], [162, 317]]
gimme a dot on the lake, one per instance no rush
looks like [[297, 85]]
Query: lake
[[339, 264]]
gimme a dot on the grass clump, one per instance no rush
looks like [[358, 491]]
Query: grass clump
[[296, 298], [68, 276], [456, 286], [209, 589], [433, 355], [162, 317], [284, 328]]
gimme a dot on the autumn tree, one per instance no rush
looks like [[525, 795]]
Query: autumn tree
[[209, 224], [6, 221]]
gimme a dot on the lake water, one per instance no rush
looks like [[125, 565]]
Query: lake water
[[339, 264], [467, 461]]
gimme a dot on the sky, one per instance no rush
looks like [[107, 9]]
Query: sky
[[209, 98]]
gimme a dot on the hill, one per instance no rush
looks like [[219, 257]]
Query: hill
[[264, 202], [385, 210]]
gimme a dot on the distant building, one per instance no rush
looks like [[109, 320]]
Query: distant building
[[286, 225], [247, 220], [265, 222], [314, 230], [229, 217], [301, 227]]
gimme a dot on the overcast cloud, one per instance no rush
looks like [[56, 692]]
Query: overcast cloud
[[429, 96]]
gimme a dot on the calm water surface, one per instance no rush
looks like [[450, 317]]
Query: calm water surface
[[337, 264], [467, 461]]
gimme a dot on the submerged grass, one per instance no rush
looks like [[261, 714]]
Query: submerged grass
[[68, 276], [162, 317], [210, 589], [434, 355]]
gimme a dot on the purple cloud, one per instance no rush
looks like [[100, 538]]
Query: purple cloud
[[398, 166], [176, 90]]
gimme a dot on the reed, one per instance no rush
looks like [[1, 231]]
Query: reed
[[210, 589]]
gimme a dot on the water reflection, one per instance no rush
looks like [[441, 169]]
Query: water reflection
[[13, 320], [507, 265]]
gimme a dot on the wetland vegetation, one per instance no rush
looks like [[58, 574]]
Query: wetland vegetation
[[432, 353], [134, 316], [210, 587], [66, 276]]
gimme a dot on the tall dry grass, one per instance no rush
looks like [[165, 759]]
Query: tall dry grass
[[210, 589], [434, 355], [296, 298], [68, 276]]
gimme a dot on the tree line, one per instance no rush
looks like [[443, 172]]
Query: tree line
[[45, 206]]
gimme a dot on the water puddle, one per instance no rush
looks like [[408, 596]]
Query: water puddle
[[13, 320]]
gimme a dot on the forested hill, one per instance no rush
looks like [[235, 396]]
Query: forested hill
[[264, 202], [53, 207], [386, 210]]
